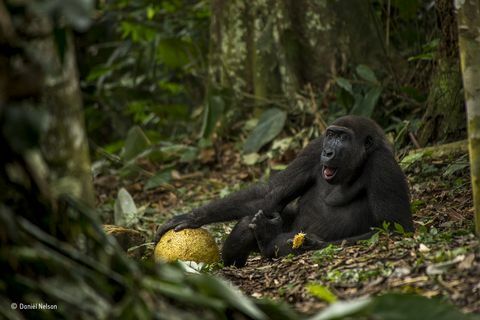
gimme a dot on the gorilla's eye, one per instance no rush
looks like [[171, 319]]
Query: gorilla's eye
[[329, 134], [343, 136]]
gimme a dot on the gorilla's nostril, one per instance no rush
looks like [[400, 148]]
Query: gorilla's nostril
[[328, 153]]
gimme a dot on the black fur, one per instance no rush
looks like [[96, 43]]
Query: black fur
[[339, 187]]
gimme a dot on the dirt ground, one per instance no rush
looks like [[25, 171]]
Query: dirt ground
[[441, 259]]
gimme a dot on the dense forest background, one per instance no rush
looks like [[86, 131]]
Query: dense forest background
[[126, 106], [201, 70]]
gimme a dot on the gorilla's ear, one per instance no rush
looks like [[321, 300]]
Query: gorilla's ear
[[368, 142]]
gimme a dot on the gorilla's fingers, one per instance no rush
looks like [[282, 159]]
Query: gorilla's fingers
[[173, 223], [184, 225]]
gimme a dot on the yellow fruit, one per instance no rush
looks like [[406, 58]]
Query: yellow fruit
[[188, 245], [298, 240]]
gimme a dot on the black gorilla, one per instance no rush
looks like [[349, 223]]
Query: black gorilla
[[339, 187]]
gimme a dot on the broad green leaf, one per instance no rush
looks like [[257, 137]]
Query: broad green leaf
[[410, 159], [321, 292], [393, 306], [217, 288], [170, 153], [343, 309], [414, 307], [454, 167], [269, 125], [344, 84], [366, 73], [213, 111], [158, 180], [173, 52], [183, 293], [135, 143], [125, 210], [366, 105]]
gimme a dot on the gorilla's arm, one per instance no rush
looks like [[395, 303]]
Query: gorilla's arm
[[282, 244], [387, 191], [281, 189]]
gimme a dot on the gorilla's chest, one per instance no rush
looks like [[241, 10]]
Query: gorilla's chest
[[334, 211]]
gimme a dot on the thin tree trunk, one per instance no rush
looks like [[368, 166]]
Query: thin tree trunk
[[469, 36]]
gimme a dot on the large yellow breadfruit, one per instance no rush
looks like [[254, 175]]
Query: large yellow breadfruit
[[189, 245]]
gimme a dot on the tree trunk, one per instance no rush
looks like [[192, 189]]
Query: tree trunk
[[469, 36], [39, 69], [444, 118], [270, 50]]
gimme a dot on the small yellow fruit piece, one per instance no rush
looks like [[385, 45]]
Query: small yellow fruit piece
[[188, 245], [298, 240]]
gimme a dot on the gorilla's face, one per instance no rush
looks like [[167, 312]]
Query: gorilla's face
[[342, 154]]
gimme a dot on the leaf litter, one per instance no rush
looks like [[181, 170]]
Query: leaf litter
[[441, 259]]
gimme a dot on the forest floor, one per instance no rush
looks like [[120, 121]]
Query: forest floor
[[441, 259]]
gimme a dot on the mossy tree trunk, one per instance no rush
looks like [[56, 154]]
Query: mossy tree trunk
[[469, 36], [39, 70], [444, 118], [65, 146], [271, 50]]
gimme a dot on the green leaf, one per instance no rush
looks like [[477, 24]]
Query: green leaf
[[410, 159], [169, 153], [135, 143], [158, 180], [366, 105], [269, 125], [321, 292], [215, 287], [150, 12], [125, 210], [344, 84], [213, 111], [399, 228], [366, 73], [344, 309], [413, 307], [173, 52], [429, 56]]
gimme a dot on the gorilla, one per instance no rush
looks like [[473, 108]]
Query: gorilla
[[337, 189]]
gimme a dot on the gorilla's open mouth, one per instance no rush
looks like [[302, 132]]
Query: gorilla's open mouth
[[329, 173]]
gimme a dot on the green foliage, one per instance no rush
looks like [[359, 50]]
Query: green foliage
[[321, 292], [361, 97], [213, 111], [270, 124], [148, 68], [393, 306], [159, 179], [135, 143], [326, 254]]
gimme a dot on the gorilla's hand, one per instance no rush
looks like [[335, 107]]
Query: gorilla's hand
[[180, 222], [266, 224], [310, 242]]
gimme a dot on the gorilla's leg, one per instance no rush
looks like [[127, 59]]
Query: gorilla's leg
[[239, 243]]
